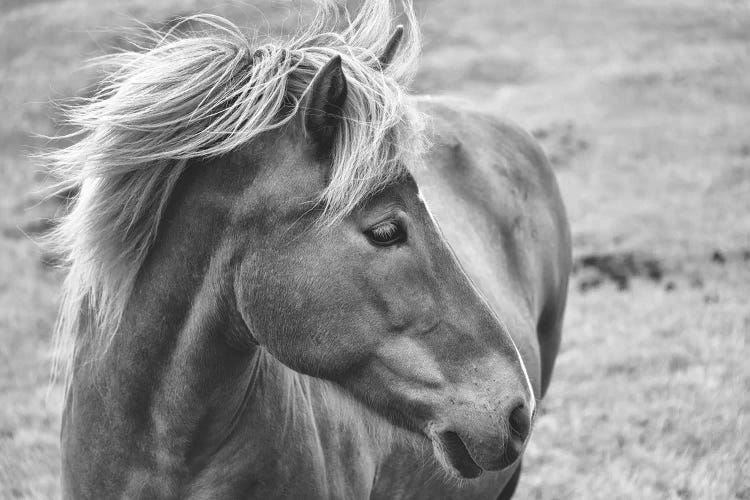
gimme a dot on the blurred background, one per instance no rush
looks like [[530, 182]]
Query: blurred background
[[644, 110]]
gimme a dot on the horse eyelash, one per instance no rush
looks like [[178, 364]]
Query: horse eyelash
[[386, 230]]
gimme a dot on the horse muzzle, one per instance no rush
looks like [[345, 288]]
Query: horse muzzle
[[471, 442]]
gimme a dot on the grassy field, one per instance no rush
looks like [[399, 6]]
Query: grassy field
[[644, 109]]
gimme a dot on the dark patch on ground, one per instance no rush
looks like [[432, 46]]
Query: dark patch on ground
[[718, 257], [617, 267], [721, 257], [711, 298], [562, 142]]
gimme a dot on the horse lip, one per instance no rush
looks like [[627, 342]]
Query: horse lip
[[512, 452], [453, 453], [457, 454]]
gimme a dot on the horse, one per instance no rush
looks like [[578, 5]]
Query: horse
[[290, 278]]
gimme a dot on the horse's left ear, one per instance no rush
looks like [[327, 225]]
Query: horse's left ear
[[391, 47], [323, 103]]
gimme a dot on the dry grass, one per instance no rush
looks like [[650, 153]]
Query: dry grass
[[645, 110]]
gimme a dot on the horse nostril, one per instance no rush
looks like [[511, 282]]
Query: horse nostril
[[520, 422]]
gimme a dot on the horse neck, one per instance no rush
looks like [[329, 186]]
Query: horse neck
[[181, 387], [134, 408]]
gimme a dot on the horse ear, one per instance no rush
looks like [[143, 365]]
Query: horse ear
[[323, 103], [391, 47]]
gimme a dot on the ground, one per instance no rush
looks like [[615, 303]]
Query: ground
[[644, 110]]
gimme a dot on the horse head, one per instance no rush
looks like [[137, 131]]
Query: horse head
[[374, 300]]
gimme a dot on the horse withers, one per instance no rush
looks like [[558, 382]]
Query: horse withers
[[260, 303]]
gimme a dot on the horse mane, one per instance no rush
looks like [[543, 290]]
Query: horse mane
[[203, 94]]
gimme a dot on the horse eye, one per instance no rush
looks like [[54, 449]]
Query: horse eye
[[386, 233]]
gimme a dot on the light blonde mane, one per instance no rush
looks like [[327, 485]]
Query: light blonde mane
[[203, 95]]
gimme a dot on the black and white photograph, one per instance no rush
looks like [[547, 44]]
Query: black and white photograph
[[375, 249]]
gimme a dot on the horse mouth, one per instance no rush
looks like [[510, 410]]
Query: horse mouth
[[454, 452]]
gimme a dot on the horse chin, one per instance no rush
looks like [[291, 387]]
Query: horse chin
[[452, 454]]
